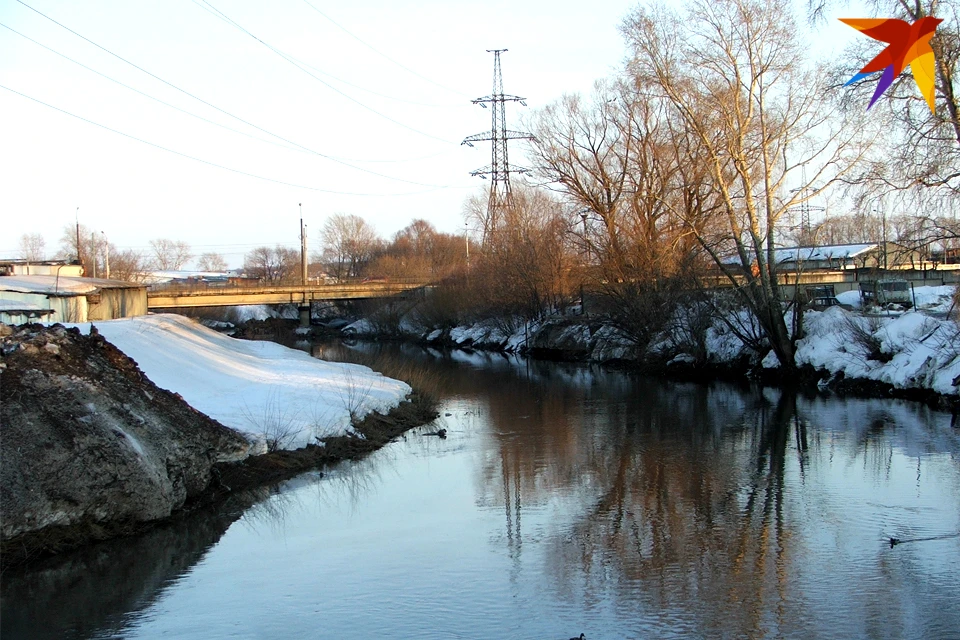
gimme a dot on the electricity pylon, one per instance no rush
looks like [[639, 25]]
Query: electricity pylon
[[501, 198]]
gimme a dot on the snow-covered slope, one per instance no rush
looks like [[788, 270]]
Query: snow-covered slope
[[265, 390], [921, 352]]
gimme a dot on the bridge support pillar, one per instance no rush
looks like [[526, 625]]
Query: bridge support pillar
[[304, 315]]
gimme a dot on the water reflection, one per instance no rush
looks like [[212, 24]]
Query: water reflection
[[719, 512], [565, 499], [96, 590]]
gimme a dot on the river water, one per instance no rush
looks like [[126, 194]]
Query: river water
[[564, 500]]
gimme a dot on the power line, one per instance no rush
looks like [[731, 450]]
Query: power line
[[207, 162], [324, 82], [383, 55], [147, 95], [214, 12], [201, 118], [225, 112]]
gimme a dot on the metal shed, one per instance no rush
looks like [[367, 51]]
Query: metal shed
[[71, 299]]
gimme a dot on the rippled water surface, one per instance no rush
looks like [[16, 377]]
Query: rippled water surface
[[565, 499]]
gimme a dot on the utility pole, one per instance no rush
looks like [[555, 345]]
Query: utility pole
[[77, 220], [501, 198], [106, 255], [93, 245], [303, 248], [466, 239], [304, 307]]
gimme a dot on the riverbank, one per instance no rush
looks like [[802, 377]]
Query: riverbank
[[913, 354], [96, 446]]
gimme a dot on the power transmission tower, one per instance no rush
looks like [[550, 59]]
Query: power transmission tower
[[806, 235], [501, 198]]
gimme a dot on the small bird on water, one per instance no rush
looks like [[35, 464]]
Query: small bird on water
[[580, 637]]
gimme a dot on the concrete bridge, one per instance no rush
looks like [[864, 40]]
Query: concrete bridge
[[180, 296]]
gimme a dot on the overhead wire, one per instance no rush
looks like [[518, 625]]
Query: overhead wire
[[324, 82], [147, 95], [282, 145], [224, 111], [209, 163], [383, 55], [212, 11]]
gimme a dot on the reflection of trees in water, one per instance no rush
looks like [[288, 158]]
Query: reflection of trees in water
[[685, 501], [689, 503]]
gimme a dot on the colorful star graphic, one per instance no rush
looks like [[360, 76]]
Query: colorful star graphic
[[908, 44]]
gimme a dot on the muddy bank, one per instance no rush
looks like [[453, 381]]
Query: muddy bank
[[91, 449], [89, 446], [373, 432]]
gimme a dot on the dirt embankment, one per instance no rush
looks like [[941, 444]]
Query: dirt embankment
[[90, 448]]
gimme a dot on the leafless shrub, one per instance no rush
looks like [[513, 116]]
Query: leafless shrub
[[687, 330], [353, 394], [862, 332], [274, 421]]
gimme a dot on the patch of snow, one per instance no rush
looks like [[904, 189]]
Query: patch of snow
[[934, 299], [265, 390], [360, 327], [770, 361], [925, 351], [682, 358], [850, 298], [46, 284], [435, 334], [254, 312]]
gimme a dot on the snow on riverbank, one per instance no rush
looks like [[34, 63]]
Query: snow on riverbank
[[908, 350], [262, 389]]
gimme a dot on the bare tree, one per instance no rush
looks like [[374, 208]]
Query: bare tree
[[70, 250], [127, 265], [748, 116], [169, 254], [32, 247], [276, 265], [420, 251], [349, 242], [918, 159], [523, 268], [212, 262]]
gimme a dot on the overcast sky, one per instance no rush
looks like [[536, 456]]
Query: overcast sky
[[373, 129]]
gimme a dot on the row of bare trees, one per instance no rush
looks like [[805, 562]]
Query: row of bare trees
[[102, 258], [698, 154], [351, 248]]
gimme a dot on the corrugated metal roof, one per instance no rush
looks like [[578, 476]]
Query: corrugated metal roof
[[830, 252], [62, 286], [815, 254]]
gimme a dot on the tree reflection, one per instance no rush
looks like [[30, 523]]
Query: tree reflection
[[677, 512], [713, 510]]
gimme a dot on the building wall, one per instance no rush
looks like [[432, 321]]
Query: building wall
[[65, 308], [23, 269], [110, 304]]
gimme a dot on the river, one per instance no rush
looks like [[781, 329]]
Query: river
[[565, 499]]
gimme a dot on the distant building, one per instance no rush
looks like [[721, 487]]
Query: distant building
[[42, 268], [842, 257], [53, 298]]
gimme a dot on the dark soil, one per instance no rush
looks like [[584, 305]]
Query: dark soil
[[110, 373], [376, 430]]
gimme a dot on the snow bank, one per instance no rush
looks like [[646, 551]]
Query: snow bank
[[922, 352], [262, 389]]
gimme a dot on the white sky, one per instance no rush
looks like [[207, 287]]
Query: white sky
[[51, 163]]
